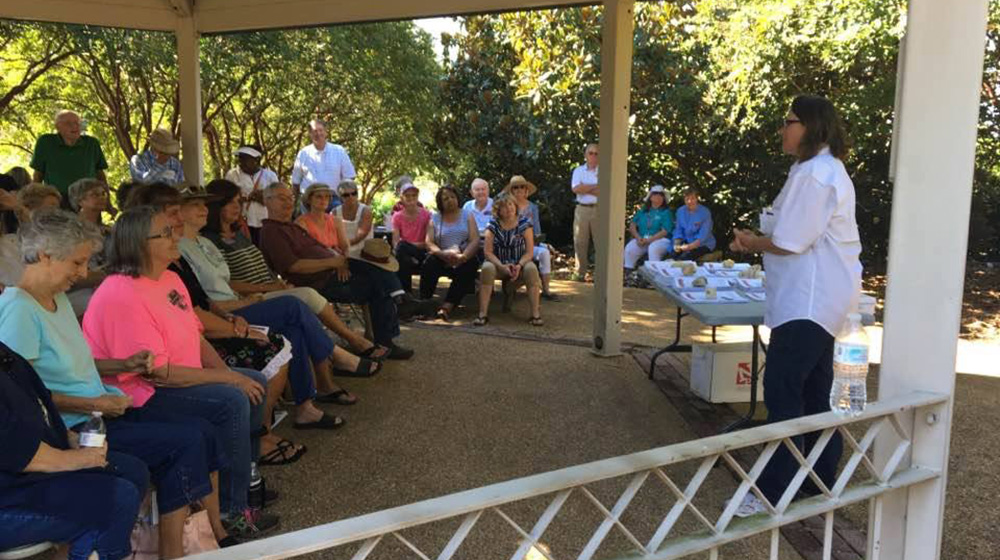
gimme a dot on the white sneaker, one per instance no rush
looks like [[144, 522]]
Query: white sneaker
[[751, 505]]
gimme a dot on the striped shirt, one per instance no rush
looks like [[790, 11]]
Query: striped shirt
[[246, 262], [509, 244], [451, 234]]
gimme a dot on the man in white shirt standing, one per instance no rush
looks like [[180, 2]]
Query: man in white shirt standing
[[481, 204], [586, 189], [252, 179], [321, 162]]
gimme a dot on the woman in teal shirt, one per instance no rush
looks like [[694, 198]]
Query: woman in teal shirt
[[650, 229]]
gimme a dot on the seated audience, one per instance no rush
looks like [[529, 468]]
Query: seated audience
[[249, 274], [321, 226], [520, 189], [230, 335], [409, 234], [693, 229], [356, 217], [226, 330], [50, 488], [143, 306], [251, 178], [286, 315], [481, 205], [37, 322], [301, 260], [158, 163], [453, 245], [508, 247], [651, 228]]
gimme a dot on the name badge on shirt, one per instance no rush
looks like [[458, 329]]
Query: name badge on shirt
[[768, 219]]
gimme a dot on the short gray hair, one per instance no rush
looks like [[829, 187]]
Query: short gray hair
[[270, 189], [81, 187], [56, 233], [314, 122]]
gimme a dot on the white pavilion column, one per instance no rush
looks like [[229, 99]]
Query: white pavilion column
[[937, 117], [616, 85], [189, 77]]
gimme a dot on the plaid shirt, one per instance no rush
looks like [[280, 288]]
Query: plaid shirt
[[146, 169]]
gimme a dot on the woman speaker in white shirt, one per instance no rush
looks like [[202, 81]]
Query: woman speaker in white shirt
[[811, 249]]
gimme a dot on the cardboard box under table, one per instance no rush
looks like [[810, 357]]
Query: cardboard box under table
[[720, 373]]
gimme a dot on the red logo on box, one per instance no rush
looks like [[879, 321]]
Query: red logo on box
[[743, 376]]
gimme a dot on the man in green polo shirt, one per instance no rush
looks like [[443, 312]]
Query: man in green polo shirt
[[62, 158]]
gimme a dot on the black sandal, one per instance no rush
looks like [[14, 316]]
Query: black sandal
[[341, 397], [536, 322], [443, 315], [364, 369], [326, 422], [285, 453], [371, 352], [481, 321]]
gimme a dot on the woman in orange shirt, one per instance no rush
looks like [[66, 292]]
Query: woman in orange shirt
[[326, 228]]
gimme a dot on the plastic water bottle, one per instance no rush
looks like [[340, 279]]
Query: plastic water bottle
[[850, 369], [255, 499], [94, 432]]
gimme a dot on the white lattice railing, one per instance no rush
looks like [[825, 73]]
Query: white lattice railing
[[401, 526]]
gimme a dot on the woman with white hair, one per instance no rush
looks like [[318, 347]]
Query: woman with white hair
[[37, 322], [650, 229]]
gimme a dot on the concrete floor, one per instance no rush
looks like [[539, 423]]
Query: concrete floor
[[471, 410]]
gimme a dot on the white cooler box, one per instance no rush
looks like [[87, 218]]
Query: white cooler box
[[720, 373]]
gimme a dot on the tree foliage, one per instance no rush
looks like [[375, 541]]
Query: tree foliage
[[711, 82], [375, 85]]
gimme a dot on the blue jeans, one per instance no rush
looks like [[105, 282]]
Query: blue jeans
[[370, 285], [233, 419], [797, 382], [291, 318], [92, 510], [176, 454]]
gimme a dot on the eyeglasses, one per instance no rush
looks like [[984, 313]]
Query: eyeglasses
[[348, 194], [592, 153], [790, 122], [516, 187], [167, 233]]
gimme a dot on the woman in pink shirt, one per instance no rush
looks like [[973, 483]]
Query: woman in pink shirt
[[143, 306], [409, 234]]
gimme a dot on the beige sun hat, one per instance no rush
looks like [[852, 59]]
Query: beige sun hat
[[377, 252], [518, 180], [162, 140]]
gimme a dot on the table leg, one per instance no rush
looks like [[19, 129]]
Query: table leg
[[754, 376], [675, 346]]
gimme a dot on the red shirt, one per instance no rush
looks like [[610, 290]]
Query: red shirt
[[284, 244]]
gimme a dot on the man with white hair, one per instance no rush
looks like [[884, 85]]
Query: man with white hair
[[321, 162], [158, 163], [252, 179], [61, 158], [586, 190], [481, 205]]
